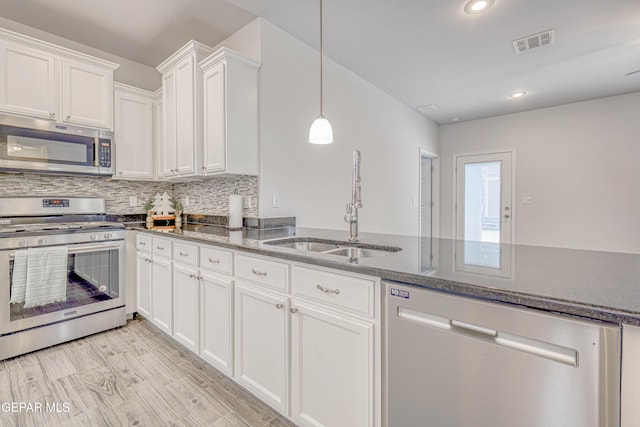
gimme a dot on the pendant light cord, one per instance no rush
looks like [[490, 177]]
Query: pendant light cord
[[321, 55]]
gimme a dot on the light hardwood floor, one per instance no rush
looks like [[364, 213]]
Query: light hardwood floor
[[132, 376]]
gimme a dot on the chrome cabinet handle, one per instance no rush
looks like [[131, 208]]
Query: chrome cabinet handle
[[52, 115], [258, 273], [160, 248], [214, 261], [327, 290], [192, 276], [279, 306], [293, 310], [199, 277], [68, 117], [142, 244], [183, 254]]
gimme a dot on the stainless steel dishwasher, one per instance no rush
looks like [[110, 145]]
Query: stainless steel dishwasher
[[454, 361]]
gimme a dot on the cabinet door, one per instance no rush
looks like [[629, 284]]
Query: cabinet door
[[185, 117], [214, 119], [167, 144], [261, 347], [87, 94], [134, 135], [186, 306], [143, 284], [216, 320], [162, 295], [332, 371], [27, 81]]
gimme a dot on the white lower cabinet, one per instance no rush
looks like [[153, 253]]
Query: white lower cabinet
[[262, 344], [332, 368], [186, 306], [143, 283], [162, 294], [305, 340], [216, 321]]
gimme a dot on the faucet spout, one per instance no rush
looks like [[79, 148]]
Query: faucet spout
[[356, 198]]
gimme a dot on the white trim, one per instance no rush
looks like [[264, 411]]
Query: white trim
[[63, 52]]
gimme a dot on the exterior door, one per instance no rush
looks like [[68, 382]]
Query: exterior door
[[484, 213]]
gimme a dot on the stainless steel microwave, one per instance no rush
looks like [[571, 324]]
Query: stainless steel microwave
[[50, 147]]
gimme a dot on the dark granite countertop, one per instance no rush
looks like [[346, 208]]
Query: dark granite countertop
[[592, 284]]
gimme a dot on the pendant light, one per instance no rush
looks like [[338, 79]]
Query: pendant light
[[321, 132]]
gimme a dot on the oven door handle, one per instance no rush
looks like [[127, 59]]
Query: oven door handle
[[82, 250]]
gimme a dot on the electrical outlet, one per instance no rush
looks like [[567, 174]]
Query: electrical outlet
[[276, 201], [186, 201], [133, 201]]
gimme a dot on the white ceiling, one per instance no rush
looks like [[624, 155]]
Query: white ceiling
[[422, 52]]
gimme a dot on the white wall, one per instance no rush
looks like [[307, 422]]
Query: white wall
[[313, 182], [129, 72], [579, 163]]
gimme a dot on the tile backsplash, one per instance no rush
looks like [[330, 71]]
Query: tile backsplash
[[209, 197]]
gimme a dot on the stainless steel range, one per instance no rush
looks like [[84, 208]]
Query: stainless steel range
[[61, 271]]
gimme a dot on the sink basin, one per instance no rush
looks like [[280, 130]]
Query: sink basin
[[306, 246], [351, 250]]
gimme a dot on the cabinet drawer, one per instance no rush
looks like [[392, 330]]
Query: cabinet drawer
[[350, 293], [143, 242], [185, 253], [162, 246], [263, 271], [216, 260]]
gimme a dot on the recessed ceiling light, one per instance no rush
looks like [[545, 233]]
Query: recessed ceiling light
[[455, 119], [478, 6], [518, 94]]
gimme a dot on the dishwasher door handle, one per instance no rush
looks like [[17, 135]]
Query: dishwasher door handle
[[474, 328]]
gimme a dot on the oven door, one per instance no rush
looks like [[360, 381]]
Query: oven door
[[95, 282]]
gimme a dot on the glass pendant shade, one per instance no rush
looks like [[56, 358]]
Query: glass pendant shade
[[321, 132]]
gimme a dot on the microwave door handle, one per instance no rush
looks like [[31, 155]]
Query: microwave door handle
[[96, 151]]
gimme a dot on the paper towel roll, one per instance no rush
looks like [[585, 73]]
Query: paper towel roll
[[235, 211]]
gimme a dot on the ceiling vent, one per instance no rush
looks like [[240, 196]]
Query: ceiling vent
[[533, 41]]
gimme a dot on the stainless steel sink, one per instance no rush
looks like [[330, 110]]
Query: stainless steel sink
[[359, 252], [346, 249], [306, 246]]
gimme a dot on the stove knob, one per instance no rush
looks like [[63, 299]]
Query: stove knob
[[42, 241], [108, 235], [22, 243], [94, 236]]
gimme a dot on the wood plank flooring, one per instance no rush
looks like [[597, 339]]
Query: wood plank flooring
[[133, 376]]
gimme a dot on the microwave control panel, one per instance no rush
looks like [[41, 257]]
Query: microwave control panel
[[104, 153], [55, 203]]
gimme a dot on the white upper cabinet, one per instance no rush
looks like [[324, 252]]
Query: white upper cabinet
[[134, 132], [230, 114], [27, 81], [87, 94], [42, 80], [181, 146]]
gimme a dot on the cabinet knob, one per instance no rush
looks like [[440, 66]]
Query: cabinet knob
[[68, 117], [279, 306], [293, 310], [192, 276]]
